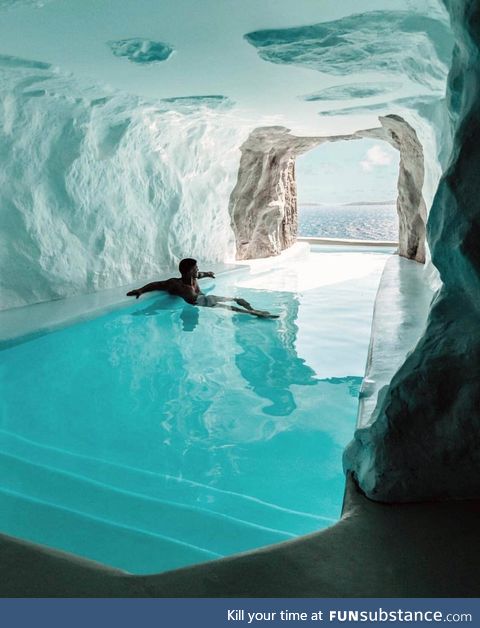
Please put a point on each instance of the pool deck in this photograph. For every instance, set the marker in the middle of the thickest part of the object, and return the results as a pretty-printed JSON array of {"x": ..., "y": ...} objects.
[{"x": 375, "y": 550}]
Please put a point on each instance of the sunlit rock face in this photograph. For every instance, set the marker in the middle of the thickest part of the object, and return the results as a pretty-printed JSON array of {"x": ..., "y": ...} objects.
[
  {"x": 263, "y": 204},
  {"x": 411, "y": 207},
  {"x": 424, "y": 442},
  {"x": 99, "y": 188}
]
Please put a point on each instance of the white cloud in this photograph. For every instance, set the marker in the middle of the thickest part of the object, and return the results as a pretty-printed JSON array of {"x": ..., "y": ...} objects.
[{"x": 375, "y": 156}]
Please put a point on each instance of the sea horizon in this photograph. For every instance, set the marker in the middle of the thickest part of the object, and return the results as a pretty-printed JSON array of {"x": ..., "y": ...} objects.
[
  {"x": 356, "y": 221},
  {"x": 349, "y": 204}
]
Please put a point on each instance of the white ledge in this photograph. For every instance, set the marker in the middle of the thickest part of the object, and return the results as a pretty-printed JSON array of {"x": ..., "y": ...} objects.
[
  {"x": 39, "y": 318},
  {"x": 341, "y": 241},
  {"x": 400, "y": 315}
]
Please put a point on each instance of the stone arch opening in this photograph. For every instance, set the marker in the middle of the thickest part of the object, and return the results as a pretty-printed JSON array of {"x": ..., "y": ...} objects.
[{"x": 263, "y": 204}]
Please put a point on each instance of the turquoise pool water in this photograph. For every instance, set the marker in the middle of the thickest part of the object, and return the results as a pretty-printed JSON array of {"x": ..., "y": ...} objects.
[{"x": 160, "y": 434}]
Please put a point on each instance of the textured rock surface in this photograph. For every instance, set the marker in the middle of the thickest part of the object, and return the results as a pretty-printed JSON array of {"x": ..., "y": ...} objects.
[
  {"x": 263, "y": 204},
  {"x": 425, "y": 441},
  {"x": 361, "y": 41},
  {"x": 213, "y": 101},
  {"x": 411, "y": 207},
  {"x": 353, "y": 90},
  {"x": 140, "y": 50},
  {"x": 98, "y": 188}
]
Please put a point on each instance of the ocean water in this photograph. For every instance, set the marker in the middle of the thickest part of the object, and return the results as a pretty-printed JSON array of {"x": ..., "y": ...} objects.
[
  {"x": 355, "y": 222},
  {"x": 162, "y": 434}
]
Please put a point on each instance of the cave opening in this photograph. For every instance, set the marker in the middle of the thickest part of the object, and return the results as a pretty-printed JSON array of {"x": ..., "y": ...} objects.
[
  {"x": 348, "y": 190},
  {"x": 263, "y": 205}
]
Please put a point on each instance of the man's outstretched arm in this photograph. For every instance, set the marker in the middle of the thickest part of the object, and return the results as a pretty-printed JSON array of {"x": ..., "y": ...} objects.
[
  {"x": 208, "y": 273},
  {"x": 150, "y": 287}
]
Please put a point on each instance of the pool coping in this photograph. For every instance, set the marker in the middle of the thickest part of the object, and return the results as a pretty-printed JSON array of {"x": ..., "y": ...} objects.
[{"x": 399, "y": 318}]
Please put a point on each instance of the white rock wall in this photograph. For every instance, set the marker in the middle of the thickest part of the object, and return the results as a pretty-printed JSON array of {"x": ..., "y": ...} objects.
[{"x": 99, "y": 188}]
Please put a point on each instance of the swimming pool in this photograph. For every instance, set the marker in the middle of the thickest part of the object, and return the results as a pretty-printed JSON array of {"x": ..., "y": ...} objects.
[{"x": 160, "y": 435}]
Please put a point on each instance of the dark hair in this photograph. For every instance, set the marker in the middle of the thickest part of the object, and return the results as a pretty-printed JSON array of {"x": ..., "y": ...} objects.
[{"x": 186, "y": 264}]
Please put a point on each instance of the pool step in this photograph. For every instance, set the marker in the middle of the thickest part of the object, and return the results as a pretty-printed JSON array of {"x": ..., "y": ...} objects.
[
  {"x": 104, "y": 542},
  {"x": 164, "y": 487},
  {"x": 205, "y": 531}
]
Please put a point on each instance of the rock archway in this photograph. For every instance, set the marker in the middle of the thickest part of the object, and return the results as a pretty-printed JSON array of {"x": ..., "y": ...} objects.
[{"x": 263, "y": 204}]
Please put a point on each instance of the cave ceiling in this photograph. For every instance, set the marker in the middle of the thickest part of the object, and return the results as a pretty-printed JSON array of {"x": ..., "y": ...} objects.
[{"x": 317, "y": 67}]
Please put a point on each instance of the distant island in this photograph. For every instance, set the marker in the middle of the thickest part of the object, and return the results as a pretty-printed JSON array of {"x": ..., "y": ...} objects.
[{"x": 354, "y": 204}]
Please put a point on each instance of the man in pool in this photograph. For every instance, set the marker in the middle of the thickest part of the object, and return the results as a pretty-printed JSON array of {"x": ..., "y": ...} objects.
[{"x": 188, "y": 289}]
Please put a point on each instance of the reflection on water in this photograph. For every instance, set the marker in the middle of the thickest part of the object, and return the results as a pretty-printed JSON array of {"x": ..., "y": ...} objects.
[
  {"x": 189, "y": 317},
  {"x": 189, "y": 314},
  {"x": 353, "y": 384},
  {"x": 269, "y": 362}
]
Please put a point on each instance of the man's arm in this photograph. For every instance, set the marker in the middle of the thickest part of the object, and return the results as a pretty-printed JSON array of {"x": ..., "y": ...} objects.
[
  {"x": 150, "y": 287},
  {"x": 208, "y": 273}
]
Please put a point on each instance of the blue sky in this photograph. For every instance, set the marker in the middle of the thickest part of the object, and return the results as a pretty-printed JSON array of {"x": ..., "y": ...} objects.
[{"x": 346, "y": 172}]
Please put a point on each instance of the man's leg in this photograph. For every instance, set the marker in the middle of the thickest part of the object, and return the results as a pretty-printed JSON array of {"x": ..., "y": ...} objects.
[
  {"x": 243, "y": 303},
  {"x": 258, "y": 313},
  {"x": 212, "y": 300}
]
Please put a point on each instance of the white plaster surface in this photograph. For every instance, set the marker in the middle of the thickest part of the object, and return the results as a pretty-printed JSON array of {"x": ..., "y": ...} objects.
[{"x": 399, "y": 319}]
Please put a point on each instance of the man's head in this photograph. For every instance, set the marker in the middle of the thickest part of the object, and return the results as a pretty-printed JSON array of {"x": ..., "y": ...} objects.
[{"x": 188, "y": 267}]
